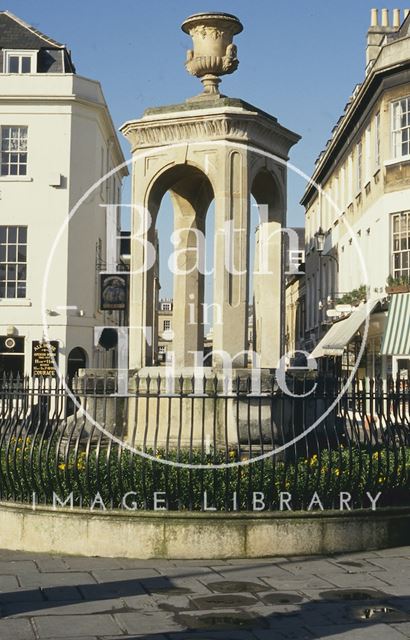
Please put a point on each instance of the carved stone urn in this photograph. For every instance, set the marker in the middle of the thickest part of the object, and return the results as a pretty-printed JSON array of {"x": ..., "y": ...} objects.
[{"x": 214, "y": 53}]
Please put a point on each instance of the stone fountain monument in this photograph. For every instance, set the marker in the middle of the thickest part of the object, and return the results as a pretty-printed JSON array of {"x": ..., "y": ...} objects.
[{"x": 210, "y": 147}]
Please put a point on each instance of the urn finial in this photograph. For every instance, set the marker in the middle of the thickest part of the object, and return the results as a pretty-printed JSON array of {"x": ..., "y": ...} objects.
[{"x": 214, "y": 54}]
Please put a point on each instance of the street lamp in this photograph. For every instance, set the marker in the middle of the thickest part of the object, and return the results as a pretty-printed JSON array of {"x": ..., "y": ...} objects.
[
  {"x": 320, "y": 237},
  {"x": 320, "y": 240}
]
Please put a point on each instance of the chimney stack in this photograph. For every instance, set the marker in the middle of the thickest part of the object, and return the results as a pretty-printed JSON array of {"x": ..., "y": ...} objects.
[
  {"x": 374, "y": 14},
  {"x": 378, "y": 31},
  {"x": 406, "y": 13}
]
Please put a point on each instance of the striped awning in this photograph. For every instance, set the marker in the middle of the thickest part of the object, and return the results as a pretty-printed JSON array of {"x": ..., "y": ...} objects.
[
  {"x": 341, "y": 333},
  {"x": 396, "y": 339}
]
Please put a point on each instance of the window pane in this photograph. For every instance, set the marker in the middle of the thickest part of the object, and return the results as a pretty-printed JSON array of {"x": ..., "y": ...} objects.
[
  {"x": 13, "y": 64},
  {"x": 3, "y": 234},
  {"x": 25, "y": 64},
  {"x": 11, "y": 253},
  {"x": 23, "y": 234},
  {"x": 12, "y": 234},
  {"x": 11, "y": 290}
]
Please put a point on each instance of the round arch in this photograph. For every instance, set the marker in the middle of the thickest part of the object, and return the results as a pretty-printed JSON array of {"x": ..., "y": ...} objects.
[
  {"x": 191, "y": 194},
  {"x": 77, "y": 359}
]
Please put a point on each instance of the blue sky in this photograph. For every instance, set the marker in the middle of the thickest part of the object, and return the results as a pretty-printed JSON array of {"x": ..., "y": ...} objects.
[{"x": 299, "y": 60}]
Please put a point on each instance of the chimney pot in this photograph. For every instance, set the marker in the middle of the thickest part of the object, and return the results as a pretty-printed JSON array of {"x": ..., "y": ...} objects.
[
  {"x": 406, "y": 13},
  {"x": 396, "y": 18},
  {"x": 374, "y": 17},
  {"x": 385, "y": 17}
]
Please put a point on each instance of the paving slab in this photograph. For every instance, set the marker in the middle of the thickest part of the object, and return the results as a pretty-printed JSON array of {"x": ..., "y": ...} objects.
[
  {"x": 8, "y": 583},
  {"x": 63, "y": 608},
  {"x": 351, "y": 632},
  {"x": 147, "y": 622},
  {"x": 55, "y": 579},
  {"x": 54, "y": 627},
  {"x": 58, "y": 597},
  {"x": 16, "y": 630}
]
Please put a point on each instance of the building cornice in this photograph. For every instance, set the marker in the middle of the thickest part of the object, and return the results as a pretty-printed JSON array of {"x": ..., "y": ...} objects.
[
  {"x": 373, "y": 86},
  {"x": 236, "y": 125},
  {"x": 49, "y": 98}
]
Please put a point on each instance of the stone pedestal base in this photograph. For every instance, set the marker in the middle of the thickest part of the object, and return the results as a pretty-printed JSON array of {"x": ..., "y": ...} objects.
[{"x": 164, "y": 411}]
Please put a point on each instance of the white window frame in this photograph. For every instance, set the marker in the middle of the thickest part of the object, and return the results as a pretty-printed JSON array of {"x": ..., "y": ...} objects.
[
  {"x": 167, "y": 322},
  {"x": 397, "y": 131},
  {"x": 20, "y": 53},
  {"x": 7, "y": 153},
  {"x": 12, "y": 261},
  {"x": 350, "y": 179},
  {"x": 296, "y": 258},
  {"x": 342, "y": 189},
  {"x": 359, "y": 166},
  {"x": 400, "y": 237},
  {"x": 377, "y": 140},
  {"x": 166, "y": 306},
  {"x": 367, "y": 153}
]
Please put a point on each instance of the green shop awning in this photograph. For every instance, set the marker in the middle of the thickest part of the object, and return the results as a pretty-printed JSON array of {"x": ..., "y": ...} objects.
[
  {"x": 340, "y": 334},
  {"x": 396, "y": 339}
]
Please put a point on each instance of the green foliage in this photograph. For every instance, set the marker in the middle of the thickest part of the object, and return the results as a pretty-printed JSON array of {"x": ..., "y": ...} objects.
[
  {"x": 354, "y": 297},
  {"x": 398, "y": 281},
  {"x": 42, "y": 467}
]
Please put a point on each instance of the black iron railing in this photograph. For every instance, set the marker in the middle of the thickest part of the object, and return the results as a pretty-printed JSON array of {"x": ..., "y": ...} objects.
[{"x": 205, "y": 443}]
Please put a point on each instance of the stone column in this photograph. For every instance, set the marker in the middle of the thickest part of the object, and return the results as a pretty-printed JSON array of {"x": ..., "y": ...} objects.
[
  {"x": 231, "y": 275},
  {"x": 268, "y": 293},
  {"x": 187, "y": 318},
  {"x": 142, "y": 282}
]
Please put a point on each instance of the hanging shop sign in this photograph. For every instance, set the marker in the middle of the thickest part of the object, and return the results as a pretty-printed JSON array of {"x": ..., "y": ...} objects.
[{"x": 114, "y": 291}]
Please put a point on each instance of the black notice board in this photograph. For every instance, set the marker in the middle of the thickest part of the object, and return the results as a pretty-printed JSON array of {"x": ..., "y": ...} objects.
[{"x": 41, "y": 360}]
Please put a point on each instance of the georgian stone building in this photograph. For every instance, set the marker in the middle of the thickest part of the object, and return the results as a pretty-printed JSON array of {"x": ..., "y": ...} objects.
[
  {"x": 57, "y": 140},
  {"x": 358, "y": 223}
]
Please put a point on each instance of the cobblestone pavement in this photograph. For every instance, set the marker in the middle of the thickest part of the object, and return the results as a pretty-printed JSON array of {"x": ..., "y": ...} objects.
[{"x": 362, "y": 596}]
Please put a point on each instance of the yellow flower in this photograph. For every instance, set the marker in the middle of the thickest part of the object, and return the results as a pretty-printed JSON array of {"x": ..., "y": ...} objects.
[
  {"x": 232, "y": 454},
  {"x": 313, "y": 460},
  {"x": 62, "y": 466},
  {"x": 381, "y": 479},
  {"x": 337, "y": 472}
]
